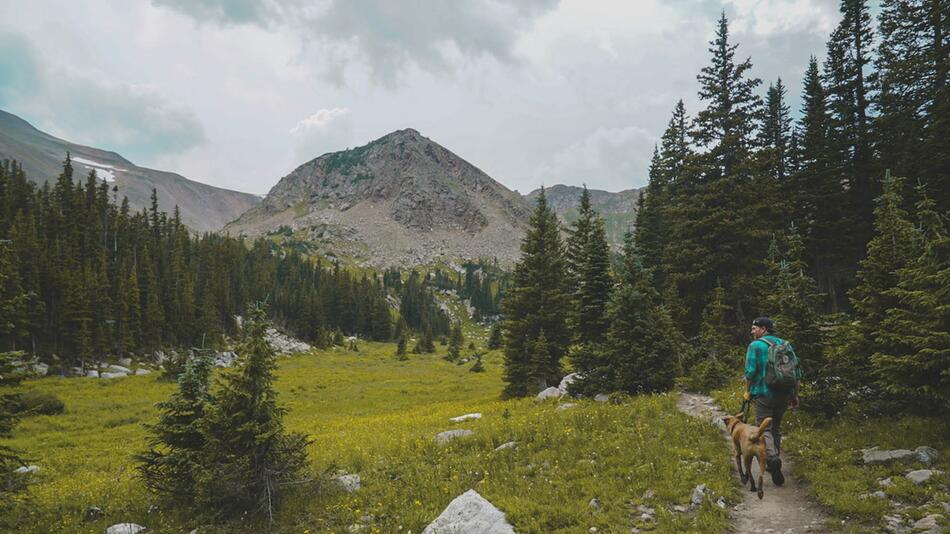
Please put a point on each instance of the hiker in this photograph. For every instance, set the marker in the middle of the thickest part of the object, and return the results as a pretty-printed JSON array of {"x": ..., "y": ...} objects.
[{"x": 771, "y": 401}]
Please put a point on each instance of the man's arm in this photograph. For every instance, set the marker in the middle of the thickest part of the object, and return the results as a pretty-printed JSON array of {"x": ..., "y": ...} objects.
[{"x": 750, "y": 369}]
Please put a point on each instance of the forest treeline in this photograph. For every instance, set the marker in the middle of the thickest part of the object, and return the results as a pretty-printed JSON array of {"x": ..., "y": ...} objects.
[
  {"x": 833, "y": 223},
  {"x": 83, "y": 277}
]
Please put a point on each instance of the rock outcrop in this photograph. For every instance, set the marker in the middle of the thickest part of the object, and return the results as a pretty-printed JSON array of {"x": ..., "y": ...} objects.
[{"x": 470, "y": 513}]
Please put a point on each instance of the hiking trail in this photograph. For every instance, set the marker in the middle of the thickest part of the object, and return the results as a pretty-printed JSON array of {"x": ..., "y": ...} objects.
[{"x": 785, "y": 509}]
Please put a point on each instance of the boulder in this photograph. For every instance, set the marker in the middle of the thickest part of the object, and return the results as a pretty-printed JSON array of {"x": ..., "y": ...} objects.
[
  {"x": 284, "y": 344},
  {"x": 928, "y": 524},
  {"x": 92, "y": 373},
  {"x": 466, "y": 417},
  {"x": 699, "y": 492},
  {"x": 444, "y": 437},
  {"x": 926, "y": 455},
  {"x": 26, "y": 470},
  {"x": 508, "y": 445},
  {"x": 601, "y": 397},
  {"x": 550, "y": 393},
  {"x": 874, "y": 456},
  {"x": 348, "y": 483},
  {"x": 125, "y": 528},
  {"x": 113, "y": 375},
  {"x": 141, "y": 371},
  {"x": 40, "y": 369},
  {"x": 885, "y": 482},
  {"x": 920, "y": 476},
  {"x": 566, "y": 381},
  {"x": 118, "y": 369},
  {"x": 470, "y": 512},
  {"x": 126, "y": 362}
]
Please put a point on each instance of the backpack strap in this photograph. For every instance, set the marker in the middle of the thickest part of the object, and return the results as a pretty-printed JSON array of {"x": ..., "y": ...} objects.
[{"x": 767, "y": 342}]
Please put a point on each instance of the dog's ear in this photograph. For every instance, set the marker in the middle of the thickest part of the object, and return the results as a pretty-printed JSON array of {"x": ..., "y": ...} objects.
[{"x": 739, "y": 415}]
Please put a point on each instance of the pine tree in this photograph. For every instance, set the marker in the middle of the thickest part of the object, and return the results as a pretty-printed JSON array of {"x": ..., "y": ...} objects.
[
  {"x": 536, "y": 303},
  {"x": 593, "y": 288},
  {"x": 171, "y": 465},
  {"x": 713, "y": 358},
  {"x": 249, "y": 458},
  {"x": 774, "y": 137},
  {"x": 494, "y": 337},
  {"x": 575, "y": 254},
  {"x": 455, "y": 343},
  {"x": 401, "y": 349},
  {"x": 912, "y": 363},
  {"x": 891, "y": 250}
]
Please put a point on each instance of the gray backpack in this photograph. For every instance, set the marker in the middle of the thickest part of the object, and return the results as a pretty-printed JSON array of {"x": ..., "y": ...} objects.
[{"x": 781, "y": 371}]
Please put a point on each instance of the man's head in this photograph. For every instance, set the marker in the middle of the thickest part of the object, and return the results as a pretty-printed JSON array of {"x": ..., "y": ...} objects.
[{"x": 762, "y": 326}]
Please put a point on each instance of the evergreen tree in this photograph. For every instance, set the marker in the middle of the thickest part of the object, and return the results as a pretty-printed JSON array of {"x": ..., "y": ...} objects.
[
  {"x": 171, "y": 465},
  {"x": 494, "y": 337},
  {"x": 593, "y": 288},
  {"x": 912, "y": 363},
  {"x": 891, "y": 250},
  {"x": 249, "y": 458},
  {"x": 713, "y": 358},
  {"x": 575, "y": 254},
  {"x": 775, "y": 134},
  {"x": 536, "y": 303},
  {"x": 455, "y": 343},
  {"x": 401, "y": 349}
]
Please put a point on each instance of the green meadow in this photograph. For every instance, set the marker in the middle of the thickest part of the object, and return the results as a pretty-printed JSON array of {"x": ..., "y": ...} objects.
[{"x": 371, "y": 415}]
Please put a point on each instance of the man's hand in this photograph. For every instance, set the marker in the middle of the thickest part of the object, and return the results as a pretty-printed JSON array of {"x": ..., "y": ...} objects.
[{"x": 745, "y": 396}]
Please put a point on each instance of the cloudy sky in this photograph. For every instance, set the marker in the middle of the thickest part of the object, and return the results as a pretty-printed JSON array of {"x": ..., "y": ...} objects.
[{"x": 237, "y": 93}]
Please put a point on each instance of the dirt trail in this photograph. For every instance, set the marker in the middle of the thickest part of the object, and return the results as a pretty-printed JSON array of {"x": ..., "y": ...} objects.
[{"x": 784, "y": 510}]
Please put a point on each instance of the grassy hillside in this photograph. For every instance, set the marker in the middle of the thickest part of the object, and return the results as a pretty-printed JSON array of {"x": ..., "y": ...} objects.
[{"x": 374, "y": 416}]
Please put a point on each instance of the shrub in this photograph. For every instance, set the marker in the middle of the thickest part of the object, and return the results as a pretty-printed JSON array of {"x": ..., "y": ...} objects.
[{"x": 39, "y": 403}]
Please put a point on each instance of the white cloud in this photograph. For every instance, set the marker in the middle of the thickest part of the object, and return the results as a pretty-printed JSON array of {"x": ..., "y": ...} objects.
[
  {"x": 770, "y": 17},
  {"x": 327, "y": 130},
  {"x": 607, "y": 158}
]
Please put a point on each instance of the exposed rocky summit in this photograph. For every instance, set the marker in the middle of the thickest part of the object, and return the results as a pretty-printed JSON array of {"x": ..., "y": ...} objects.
[
  {"x": 401, "y": 199},
  {"x": 203, "y": 207}
]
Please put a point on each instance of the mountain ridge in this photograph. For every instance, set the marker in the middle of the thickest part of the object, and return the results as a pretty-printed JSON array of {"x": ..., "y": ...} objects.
[{"x": 203, "y": 207}]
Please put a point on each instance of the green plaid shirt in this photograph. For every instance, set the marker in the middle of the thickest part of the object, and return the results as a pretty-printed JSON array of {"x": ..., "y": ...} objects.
[{"x": 756, "y": 358}]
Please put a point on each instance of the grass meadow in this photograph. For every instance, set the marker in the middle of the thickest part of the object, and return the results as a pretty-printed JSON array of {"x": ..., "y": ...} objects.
[{"x": 372, "y": 415}]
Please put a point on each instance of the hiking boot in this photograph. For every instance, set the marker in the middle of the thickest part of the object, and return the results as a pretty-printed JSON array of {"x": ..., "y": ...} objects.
[{"x": 774, "y": 467}]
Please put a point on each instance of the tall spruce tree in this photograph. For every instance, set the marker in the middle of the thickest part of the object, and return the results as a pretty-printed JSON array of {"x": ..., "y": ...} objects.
[
  {"x": 775, "y": 134},
  {"x": 891, "y": 250},
  {"x": 177, "y": 444},
  {"x": 593, "y": 289},
  {"x": 912, "y": 363},
  {"x": 249, "y": 459},
  {"x": 536, "y": 303}
]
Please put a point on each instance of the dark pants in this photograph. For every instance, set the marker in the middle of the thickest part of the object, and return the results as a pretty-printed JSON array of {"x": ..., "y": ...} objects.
[{"x": 773, "y": 407}]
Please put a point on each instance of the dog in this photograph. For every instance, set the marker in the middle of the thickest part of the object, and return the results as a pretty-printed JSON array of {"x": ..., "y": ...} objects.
[{"x": 749, "y": 444}]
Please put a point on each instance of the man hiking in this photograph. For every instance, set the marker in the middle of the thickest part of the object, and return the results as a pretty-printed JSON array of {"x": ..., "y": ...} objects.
[{"x": 771, "y": 378}]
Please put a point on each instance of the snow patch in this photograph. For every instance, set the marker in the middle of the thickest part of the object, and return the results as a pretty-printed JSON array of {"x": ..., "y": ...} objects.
[{"x": 103, "y": 171}]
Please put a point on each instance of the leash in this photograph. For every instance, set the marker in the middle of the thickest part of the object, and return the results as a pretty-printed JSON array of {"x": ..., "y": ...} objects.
[{"x": 745, "y": 410}]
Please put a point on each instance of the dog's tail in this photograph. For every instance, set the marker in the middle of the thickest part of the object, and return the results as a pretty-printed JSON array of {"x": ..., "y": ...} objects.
[{"x": 754, "y": 437}]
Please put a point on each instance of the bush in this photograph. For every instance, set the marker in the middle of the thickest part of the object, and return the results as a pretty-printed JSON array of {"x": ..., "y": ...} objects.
[{"x": 39, "y": 403}]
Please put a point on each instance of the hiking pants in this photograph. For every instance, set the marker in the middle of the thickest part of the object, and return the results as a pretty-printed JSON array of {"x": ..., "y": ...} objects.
[{"x": 773, "y": 407}]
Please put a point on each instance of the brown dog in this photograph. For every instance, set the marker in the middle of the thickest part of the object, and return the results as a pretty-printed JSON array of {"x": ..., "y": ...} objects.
[{"x": 748, "y": 443}]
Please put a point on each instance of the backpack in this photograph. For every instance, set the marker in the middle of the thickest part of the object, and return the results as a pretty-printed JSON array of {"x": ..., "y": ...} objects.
[{"x": 781, "y": 370}]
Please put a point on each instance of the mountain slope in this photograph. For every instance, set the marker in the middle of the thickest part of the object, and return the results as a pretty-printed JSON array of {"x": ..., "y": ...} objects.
[
  {"x": 203, "y": 207},
  {"x": 619, "y": 209},
  {"x": 401, "y": 199}
]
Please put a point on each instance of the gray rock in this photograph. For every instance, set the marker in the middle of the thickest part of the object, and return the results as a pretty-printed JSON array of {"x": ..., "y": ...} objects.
[
  {"x": 646, "y": 510},
  {"x": 444, "y": 437},
  {"x": 928, "y": 524},
  {"x": 886, "y": 482},
  {"x": 284, "y": 344},
  {"x": 874, "y": 456},
  {"x": 509, "y": 445},
  {"x": 594, "y": 503},
  {"x": 680, "y": 508},
  {"x": 348, "y": 483},
  {"x": 77, "y": 371},
  {"x": 550, "y": 393},
  {"x": 92, "y": 513},
  {"x": 26, "y": 469},
  {"x": 927, "y": 455},
  {"x": 118, "y": 369},
  {"x": 601, "y": 397},
  {"x": 127, "y": 362},
  {"x": 40, "y": 369},
  {"x": 879, "y": 495},
  {"x": 895, "y": 524},
  {"x": 470, "y": 513},
  {"x": 565, "y": 406},
  {"x": 567, "y": 381},
  {"x": 466, "y": 417},
  {"x": 699, "y": 492},
  {"x": 125, "y": 528},
  {"x": 113, "y": 375},
  {"x": 92, "y": 373},
  {"x": 592, "y": 530},
  {"x": 140, "y": 371},
  {"x": 720, "y": 502},
  {"x": 920, "y": 476}
]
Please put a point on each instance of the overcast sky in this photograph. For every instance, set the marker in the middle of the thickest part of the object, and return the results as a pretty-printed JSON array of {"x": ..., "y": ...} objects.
[{"x": 238, "y": 93}]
